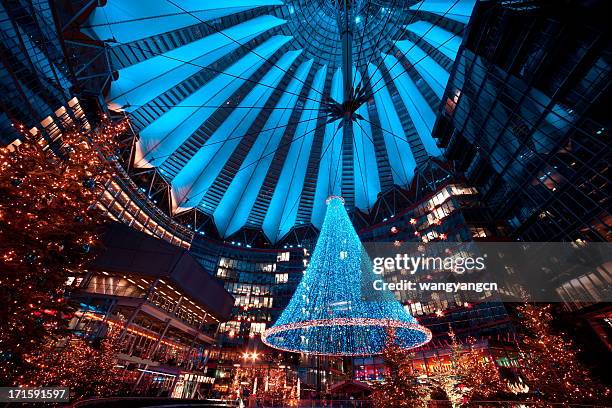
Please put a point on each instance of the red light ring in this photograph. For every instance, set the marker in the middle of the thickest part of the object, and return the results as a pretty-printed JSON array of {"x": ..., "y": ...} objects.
[{"x": 343, "y": 322}]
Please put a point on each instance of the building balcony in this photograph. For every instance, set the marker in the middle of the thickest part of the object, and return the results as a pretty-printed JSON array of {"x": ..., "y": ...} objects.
[
  {"x": 153, "y": 292},
  {"x": 189, "y": 320}
]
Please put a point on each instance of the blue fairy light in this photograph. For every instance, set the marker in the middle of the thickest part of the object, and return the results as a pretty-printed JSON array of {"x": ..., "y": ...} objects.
[{"x": 328, "y": 313}]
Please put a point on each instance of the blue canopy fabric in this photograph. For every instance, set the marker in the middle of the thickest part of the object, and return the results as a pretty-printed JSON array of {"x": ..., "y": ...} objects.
[{"x": 231, "y": 100}]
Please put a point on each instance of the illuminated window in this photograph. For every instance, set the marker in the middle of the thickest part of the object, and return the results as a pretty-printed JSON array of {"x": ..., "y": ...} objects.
[
  {"x": 478, "y": 232},
  {"x": 268, "y": 267},
  {"x": 231, "y": 326},
  {"x": 225, "y": 273},
  {"x": 463, "y": 190},
  {"x": 257, "y": 327}
]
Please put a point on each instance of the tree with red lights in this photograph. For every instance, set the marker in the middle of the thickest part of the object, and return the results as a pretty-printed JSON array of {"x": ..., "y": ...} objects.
[
  {"x": 87, "y": 369},
  {"x": 49, "y": 225},
  {"x": 401, "y": 387},
  {"x": 550, "y": 364},
  {"x": 470, "y": 375}
]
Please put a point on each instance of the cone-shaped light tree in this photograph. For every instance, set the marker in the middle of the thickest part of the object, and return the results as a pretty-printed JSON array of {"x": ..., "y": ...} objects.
[{"x": 334, "y": 310}]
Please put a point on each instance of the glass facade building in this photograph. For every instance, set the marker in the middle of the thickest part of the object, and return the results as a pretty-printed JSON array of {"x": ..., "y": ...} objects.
[
  {"x": 261, "y": 281},
  {"x": 34, "y": 76},
  {"x": 527, "y": 120}
]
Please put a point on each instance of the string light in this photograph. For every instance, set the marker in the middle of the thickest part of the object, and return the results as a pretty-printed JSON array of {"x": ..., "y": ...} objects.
[
  {"x": 270, "y": 383},
  {"x": 333, "y": 310}
]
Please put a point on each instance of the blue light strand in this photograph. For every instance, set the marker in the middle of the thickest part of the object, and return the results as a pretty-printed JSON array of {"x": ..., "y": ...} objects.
[{"x": 327, "y": 314}]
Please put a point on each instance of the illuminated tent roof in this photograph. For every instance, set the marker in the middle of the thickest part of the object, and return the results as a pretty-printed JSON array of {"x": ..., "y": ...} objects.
[{"x": 255, "y": 111}]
